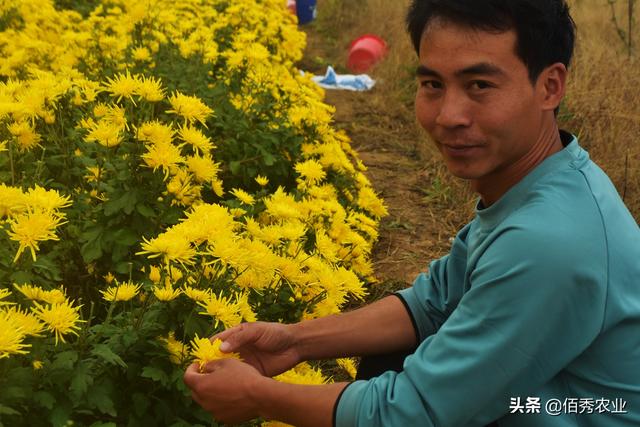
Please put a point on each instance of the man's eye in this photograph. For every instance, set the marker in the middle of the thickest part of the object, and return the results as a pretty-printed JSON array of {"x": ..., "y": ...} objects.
[
  {"x": 431, "y": 84},
  {"x": 480, "y": 84}
]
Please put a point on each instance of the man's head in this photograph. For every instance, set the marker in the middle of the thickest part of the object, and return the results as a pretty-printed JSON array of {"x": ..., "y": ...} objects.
[
  {"x": 492, "y": 74},
  {"x": 544, "y": 29}
]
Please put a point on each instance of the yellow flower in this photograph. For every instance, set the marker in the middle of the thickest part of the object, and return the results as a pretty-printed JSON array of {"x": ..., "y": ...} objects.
[
  {"x": 199, "y": 141},
  {"x": 11, "y": 201},
  {"x": 311, "y": 171},
  {"x": 190, "y": 108},
  {"x": 171, "y": 246},
  {"x": 46, "y": 200},
  {"x": 37, "y": 365},
  {"x": 26, "y": 137},
  {"x": 243, "y": 196},
  {"x": 3, "y": 294},
  {"x": 150, "y": 89},
  {"x": 196, "y": 294},
  {"x": 302, "y": 374},
  {"x": 28, "y": 322},
  {"x": 163, "y": 155},
  {"x": 155, "y": 133},
  {"x": 204, "y": 169},
  {"x": 222, "y": 309},
  {"x": 109, "y": 278},
  {"x": 177, "y": 349},
  {"x": 60, "y": 319},
  {"x": 166, "y": 293},
  {"x": 54, "y": 296},
  {"x": 155, "y": 274},
  {"x": 262, "y": 180},
  {"x": 203, "y": 350},
  {"x": 121, "y": 292},
  {"x": 105, "y": 133},
  {"x": 348, "y": 365},
  {"x": 30, "y": 291},
  {"x": 122, "y": 86},
  {"x": 11, "y": 336},
  {"x": 32, "y": 227},
  {"x": 141, "y": 53}
]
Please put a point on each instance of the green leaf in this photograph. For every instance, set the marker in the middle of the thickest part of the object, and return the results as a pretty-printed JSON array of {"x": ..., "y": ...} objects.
[
  {"x": 99, "y": 398},
  {"x": 44, "y": 399},
  {"x": 6, "y": 410},
  {"x": 60, "y": 415},
  {"x": 80, "y": 382},
  {"x": 140, "y": 403},
  {"x": 101, "y": 424},
  {"x": 145, "y": 210},
  {"x": 92, "y": 250},
  {"x": 104, "y": 352},
  {"x": 65, "y": 360},
  {"x": 155, "y": 374},
  {"x": 234, "y": 166}
]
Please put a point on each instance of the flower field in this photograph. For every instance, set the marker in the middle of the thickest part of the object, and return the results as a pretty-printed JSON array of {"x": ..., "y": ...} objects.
[{"x": 165, "y": 173}]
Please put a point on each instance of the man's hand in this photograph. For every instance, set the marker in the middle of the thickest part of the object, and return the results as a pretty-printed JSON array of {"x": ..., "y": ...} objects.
[
  {"x": 224, "y": 389},
  {"x": 268, "y": 347}
]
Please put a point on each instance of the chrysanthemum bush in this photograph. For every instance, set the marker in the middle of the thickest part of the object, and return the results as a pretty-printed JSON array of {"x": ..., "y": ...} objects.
[{"x": 165, "y": 173}]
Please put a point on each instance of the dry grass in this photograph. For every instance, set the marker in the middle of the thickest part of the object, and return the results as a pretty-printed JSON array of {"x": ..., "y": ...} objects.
[{"x": 603, "y": 102}]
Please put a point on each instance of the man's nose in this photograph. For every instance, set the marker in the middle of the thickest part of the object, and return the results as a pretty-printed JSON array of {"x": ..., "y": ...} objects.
[{"x": 453, "y": 111}]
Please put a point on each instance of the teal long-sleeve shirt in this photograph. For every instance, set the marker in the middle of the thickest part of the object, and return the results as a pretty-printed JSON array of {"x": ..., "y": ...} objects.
[{"x": 537, "y": 302}]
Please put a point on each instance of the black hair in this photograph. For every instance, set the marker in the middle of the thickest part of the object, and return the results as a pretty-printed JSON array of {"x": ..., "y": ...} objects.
[{"x": 544, "y": 28}]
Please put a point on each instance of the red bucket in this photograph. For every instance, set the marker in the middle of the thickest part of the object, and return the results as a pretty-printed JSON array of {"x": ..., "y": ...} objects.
[{"x": 365, "y": 52}]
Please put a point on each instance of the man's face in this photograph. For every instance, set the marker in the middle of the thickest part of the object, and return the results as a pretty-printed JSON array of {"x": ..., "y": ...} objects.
[{"x": 476, "y": 101}]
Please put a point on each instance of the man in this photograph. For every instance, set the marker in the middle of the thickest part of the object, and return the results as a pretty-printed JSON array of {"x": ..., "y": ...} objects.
[{"x": 533, "y": 318}]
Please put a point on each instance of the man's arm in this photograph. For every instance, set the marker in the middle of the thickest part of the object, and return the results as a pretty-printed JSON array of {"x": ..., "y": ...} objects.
[
  {"x": 273, "y": 348},
  {"x": 382, "y": 327}
]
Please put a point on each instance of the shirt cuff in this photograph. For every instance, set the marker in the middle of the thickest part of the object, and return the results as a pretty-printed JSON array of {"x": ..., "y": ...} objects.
[{"x": 345, "y": 411}]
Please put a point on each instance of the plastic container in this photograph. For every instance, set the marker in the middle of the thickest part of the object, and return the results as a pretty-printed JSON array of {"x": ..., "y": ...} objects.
[
  {"x": 306, "y": 11},
  {"x": 365, "y": 52}
]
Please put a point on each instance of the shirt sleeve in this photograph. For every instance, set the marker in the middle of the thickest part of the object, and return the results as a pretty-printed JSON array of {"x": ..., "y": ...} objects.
[{"x": 527, "y": 314}]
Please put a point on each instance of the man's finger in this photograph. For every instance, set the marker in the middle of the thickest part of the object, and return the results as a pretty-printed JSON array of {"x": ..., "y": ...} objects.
[
  {"x": 191, "y": 375},
  {"x": 236, "y": 338}
]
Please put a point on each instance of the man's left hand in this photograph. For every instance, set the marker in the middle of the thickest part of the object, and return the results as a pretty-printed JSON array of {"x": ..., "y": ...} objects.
[{"x": 226, "y": 389}]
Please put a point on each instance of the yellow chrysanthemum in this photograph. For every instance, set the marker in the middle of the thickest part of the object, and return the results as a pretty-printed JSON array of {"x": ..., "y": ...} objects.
[
  {"x": 4, "y": 293},
  {"x": 155, "y": 133},
  {"x": 196, "y": 139},
  {"x": 166, "y": 293},
  {"x": 163, "y": 155},
  {"x": 203, "y": 350},
  {"x": 32, "y": 292},
  {"x": 243, "y": 196},
  {"x": 46, "y": 200},
  {"x": 170, "y": 246},
  {"x": 190, "y": 108},
  {"x": 262, "y": 180},
  {"x": 37, "y": 365},
  {"x": 61, "y": 319},
  {"x": 302, "y": 374},
  {"x": 26, "y": 137},
  {"x": 204, "y": 169},
  {"x": 31, "y": 228},
  {"x": 122, "y": 86},
  {"x": 11, "y": 201},
  {"x": 177, "y": 349},
  {"x": 105, "y": 133},
  {"x": 222, "y": 309},
  {"x": 311, "y": 171},
  {"x": 28, "y": 322},
  {"x": 150, "y": 89},
  {"x": 348, "y": 365},
  {"x": 141, "y": 53},
  {"x": 121, "y": 292},
  {"x": 11, "y": 336},
  {"x": 200, "y": 295}
]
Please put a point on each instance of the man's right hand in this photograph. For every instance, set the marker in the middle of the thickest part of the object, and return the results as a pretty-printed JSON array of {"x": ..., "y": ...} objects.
[{"x": 268, "y": 347}]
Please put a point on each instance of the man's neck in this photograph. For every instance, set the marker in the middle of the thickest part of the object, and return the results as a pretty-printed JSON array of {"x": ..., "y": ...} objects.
[{"x": 492, "y": 187}]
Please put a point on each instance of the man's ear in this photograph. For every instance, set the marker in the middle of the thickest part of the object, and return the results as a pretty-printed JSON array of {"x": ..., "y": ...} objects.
[{"x": 552, "y": 85}]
